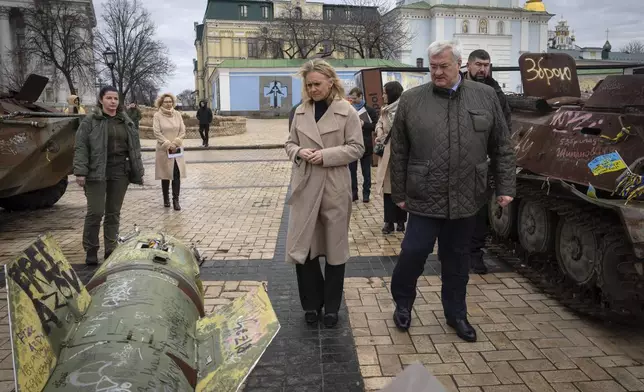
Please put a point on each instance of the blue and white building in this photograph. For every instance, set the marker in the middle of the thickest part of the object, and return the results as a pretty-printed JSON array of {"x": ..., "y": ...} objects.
[{"x": 505, "y": 28}]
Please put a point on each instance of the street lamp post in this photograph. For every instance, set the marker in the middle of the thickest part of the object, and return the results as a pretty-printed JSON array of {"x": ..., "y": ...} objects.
[{"x": 110, "y": 59}]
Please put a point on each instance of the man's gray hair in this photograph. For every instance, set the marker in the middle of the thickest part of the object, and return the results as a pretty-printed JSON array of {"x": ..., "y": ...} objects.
[{"x": 438, "y": 47}]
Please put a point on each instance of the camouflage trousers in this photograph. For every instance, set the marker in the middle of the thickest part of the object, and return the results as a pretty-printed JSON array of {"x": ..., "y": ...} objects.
[{"x": 104, "y": 198}]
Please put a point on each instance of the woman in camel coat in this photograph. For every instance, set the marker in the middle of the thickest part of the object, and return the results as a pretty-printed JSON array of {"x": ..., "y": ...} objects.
[
  {"x": 169, "y": 131},
  {"x": 393, "y": 214},
  {"x": 325, "y": 136}
]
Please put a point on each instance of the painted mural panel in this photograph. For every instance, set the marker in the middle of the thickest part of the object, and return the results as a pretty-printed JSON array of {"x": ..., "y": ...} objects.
[{"x": 275, "y": 94}]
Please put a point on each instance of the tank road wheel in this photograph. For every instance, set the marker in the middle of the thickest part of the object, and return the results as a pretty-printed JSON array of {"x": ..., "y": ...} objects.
[
  {"x": 577, "y": 251},
  {"x": 503, "y": 220},
  {"x": 619, "y": 280},
  {"x": 536, "y": 227},
  {"x": 41, "y": 198}
]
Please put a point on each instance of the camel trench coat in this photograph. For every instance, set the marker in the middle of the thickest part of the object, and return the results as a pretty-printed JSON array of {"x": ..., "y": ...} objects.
[
  {"x": 320, "y": 201},
  {"x": 168, "y": 130},
  {"x": 383, "y": 175}
]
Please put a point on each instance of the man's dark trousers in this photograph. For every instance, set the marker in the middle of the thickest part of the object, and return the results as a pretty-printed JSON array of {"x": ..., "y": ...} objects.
[
  {"x": 365, "y": 165},
  {"x": 478, "y": 238},
  {"x": 203, "y": 132},
  {"x": 454, "y": 238}
]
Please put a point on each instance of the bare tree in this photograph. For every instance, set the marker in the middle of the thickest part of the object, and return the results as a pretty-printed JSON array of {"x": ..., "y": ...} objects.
[
  {"x": 634, "y": 46},
  {"x": 296, "y": 33},
  {"x": 371, "y": 29},
  {"x": 144, "y": 92},
  {"x": 186, "y": 98},
  {"x": 129, "y": 31},
  {"x": 59, "y": 33},
  {"x": 15, "y": 75}
]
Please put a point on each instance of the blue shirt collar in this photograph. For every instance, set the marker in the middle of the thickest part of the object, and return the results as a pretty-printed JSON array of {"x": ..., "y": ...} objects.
[{"x": 457, "y": 82}]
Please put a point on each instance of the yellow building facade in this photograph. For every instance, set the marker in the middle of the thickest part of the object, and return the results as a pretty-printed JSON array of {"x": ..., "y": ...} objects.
[{"x": 231, "y": 30}]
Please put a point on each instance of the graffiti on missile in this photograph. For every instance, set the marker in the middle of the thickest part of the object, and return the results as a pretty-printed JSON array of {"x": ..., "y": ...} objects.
[
  {"x": 44, "y": 294},
  {"x": 242, "y": 330}
]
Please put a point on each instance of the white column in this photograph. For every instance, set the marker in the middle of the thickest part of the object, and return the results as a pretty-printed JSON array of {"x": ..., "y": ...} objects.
[
  {"x": 5, "y": 40},
  {"x": 525, "y": 36},
  {"x": 543, "y": 40}
]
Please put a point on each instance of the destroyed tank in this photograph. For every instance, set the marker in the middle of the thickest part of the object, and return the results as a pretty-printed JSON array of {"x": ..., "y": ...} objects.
[
  {"x": 36, "y": 148},
  {"x": 578, "y": 217}
]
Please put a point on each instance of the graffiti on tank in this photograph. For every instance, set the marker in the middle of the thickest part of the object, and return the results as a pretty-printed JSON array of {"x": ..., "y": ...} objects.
[
  {"x": 576, "y": 120},
  {"x": 537, "y": 72},
  {"x": 117, "y": 293}
]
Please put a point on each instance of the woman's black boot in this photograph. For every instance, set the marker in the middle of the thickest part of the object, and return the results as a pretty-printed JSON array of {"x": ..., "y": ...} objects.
[{"x": 165, "y": 188}]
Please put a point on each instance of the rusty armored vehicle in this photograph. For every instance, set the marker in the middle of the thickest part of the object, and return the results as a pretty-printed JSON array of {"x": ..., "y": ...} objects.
[
  {"x": 578, "y": 218},
  {"x": 36, "y": 149}
]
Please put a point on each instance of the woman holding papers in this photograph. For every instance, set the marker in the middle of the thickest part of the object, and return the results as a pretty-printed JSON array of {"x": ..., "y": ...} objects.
[
  {"x": 169, "y": 131},
  {"x": 325, "y": 136}
]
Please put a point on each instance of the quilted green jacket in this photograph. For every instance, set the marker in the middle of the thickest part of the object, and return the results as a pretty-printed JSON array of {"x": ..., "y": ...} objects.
[{"x": 440, "y": 143}]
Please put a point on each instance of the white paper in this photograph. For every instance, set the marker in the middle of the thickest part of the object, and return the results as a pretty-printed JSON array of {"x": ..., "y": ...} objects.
[{"x": 178, "y": 153}]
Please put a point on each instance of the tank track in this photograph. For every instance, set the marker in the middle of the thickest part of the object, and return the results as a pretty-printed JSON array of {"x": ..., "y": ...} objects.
[{"x": 543, "y": 271}]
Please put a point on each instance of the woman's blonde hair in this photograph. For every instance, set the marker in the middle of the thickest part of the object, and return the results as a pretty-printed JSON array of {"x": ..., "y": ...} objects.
[
  {"x": 324, "y": 68},
  {"x": 159, "y": 100}
]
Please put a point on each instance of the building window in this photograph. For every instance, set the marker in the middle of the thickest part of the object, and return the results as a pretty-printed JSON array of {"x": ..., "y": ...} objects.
[
  {"x": 298, "y": 13},
  {"x": 465, "y": 28},
  {"x": 49, "y": 94},
  {"x": 328, "y": 14},
  {"x": 265, "y": 12},
  {"x": 483, "y": 26},
  {"x": 500, "y": 28},
  {"x": 243, "y": 11},
  {"x": 253, "y": 48},
  {"x": 347, "y": 14}
]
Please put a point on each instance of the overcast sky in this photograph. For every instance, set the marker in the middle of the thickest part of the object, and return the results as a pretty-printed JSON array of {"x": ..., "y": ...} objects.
[{"x": 588, "y": 18}]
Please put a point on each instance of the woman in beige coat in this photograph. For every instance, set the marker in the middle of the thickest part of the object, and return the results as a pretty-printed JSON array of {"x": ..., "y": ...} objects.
[
  {"x": 169, "y": 131},
  {"x": 393, "y": 214},
  {"x": 325, "y": 137}
]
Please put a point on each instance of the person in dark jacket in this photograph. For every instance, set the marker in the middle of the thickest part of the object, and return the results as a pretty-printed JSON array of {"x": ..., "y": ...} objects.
[
  {"x": 134, "y": 113},
  {"x": 369, "y": 119},
  {"x": 442, "y": 136},
  {"x": 204, "y": 115},
  {"x": 107, "y": 158},
  {"x": 478, "y": 70}
]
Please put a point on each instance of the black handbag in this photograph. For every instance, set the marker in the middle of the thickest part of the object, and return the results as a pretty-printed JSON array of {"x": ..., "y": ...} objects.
[{"x": 379, "y": 148}]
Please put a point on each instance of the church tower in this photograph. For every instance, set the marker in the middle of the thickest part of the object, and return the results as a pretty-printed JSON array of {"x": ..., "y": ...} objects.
[{"x": 535, "y": 5}]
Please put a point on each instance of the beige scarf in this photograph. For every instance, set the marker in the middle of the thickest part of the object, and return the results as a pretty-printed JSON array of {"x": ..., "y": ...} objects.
[{"x": 167, "y": 112}]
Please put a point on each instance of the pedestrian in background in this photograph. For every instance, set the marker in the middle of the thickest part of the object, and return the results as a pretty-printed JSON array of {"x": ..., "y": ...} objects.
[
  {"x": 325, "y": 136},
  {"x": 74, "y": 105},
  {"x": 169, "y": 131},
  {"x": 107, "y": 158},
  {"x": 393, "y": 214},
  {"x": 442, "y": 136},
  {"x": 204, "y": 115},
  {"x": 479, "y": 70},
  {"x": 368, "y": 119},
  {"x": 134, "y": 113}
]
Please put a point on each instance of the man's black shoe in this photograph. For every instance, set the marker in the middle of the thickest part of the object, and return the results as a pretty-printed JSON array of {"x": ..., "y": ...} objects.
[
  {"x": 463, "y": 329},
  {"x": 330, "y": 320},
  {"x": 402, "y": 318},
  {"x": 311, "y": 317},
  {"x": 477, "y": 265}
]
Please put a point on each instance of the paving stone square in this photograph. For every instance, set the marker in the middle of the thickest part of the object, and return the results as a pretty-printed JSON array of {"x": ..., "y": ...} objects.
[{"x": 235, "y": 210}]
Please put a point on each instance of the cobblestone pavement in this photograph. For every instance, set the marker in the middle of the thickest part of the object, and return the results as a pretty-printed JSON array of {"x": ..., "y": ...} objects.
[
  {"x": 258, "y": 133},
  {"x": 234, "y": 204}
]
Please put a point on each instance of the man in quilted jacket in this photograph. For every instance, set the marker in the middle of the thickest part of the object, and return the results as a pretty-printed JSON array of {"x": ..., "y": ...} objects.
[{"x": 442, "y": 136}]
